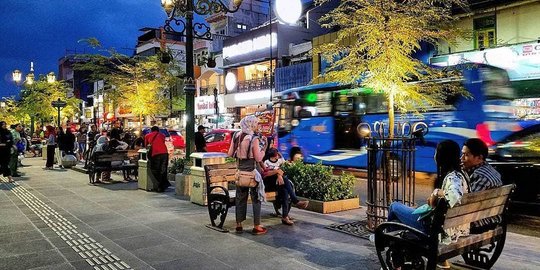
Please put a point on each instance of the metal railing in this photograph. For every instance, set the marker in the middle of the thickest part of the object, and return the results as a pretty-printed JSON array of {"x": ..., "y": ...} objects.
[
  {"x": 254, "y": 85},
  {"x": 208, "y": 90},
  {"x": 391, "y": 167}
]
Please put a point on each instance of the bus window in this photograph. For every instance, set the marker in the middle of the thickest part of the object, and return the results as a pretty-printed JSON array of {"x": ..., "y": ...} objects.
[
  {"x": 375, "y": 103},
  {"x": 284, "y": 114},
  {"x": 496, "y": 84},
  {"x": 313, "y": 104}
]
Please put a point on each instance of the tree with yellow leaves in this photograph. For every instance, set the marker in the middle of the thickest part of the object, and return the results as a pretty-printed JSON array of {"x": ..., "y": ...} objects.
[
  {"x": 139, "y": 84},
  {"x": 374, "y": 48}
]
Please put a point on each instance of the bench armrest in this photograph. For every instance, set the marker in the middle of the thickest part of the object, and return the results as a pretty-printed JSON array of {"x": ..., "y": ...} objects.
[
  {"x": 380, "y": 231},
  {"x": 226, "y": 191}
]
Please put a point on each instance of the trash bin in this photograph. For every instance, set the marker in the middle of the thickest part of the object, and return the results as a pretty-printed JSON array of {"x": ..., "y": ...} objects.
[
  {"x": 44, "y": 151},
  {"x": 197, "y": 176},
  {"x": 145, "y": 177}
]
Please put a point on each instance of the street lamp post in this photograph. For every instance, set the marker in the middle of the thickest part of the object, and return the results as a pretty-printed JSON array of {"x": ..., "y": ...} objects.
[
  {"x": 29, "y": 81},
  {"x": 59, "y": 104},
  {"x": 176, "y": 9}
]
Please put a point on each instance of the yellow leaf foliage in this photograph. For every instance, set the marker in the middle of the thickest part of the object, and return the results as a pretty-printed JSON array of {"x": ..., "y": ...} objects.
[{"x": 384, "y": 35}]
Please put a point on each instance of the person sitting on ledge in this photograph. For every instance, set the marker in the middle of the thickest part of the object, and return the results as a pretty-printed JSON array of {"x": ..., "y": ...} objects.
[{"x": 275, "y": 177}]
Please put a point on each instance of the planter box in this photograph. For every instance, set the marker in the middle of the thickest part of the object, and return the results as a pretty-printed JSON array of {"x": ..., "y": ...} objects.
[
  {"x": 182, "y": 183},
  {"x": 333, "y": 206},
  {"x": 171, "y": 177}
]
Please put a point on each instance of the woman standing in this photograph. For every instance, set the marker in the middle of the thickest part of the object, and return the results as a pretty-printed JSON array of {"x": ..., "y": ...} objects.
[
  {"x": 50, "y": 134},
  {"x": 6, "y": 145},
  {"x": 247, "y": 150}
]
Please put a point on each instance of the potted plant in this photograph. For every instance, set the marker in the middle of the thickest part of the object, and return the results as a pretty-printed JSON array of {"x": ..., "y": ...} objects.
[
  {"x": 177, "y": 171},
  {"x": 326, "y": 192}
]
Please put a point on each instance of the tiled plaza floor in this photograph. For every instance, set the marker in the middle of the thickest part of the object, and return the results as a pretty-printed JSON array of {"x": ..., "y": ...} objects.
[{"x": 56, "y": 220}]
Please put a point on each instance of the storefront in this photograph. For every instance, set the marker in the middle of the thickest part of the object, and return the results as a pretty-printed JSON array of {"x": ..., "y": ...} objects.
[
  {"x": 250, "y": 60},
  {"x": 208, "y": 115}
]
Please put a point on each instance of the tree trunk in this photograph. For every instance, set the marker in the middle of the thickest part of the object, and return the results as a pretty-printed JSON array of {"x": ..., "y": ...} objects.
[
  {"x": 388, "y": 145},
  {"x": 140, "y": 124},
  {"x": 391, "y": 115}
]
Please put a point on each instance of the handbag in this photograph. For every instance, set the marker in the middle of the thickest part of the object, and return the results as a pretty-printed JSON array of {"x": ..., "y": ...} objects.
[
  {"x": 149, "y": 147},
  {"x": 245, "y": 179}
]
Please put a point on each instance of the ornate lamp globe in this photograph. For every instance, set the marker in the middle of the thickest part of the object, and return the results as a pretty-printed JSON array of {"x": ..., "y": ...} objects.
[
  {"x": 51, "y": 77},
  {"x": 30, "y": 78},
  {"x": 168, "y": 5},
  {"x": 16, "y": 75}
]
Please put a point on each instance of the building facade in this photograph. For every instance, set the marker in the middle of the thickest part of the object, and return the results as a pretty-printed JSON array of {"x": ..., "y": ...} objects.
[{"x": 505, "y": 34}]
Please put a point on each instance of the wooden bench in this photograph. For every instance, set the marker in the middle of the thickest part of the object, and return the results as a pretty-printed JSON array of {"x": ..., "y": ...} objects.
[
  {"x": 220, "y": 198},
  {"x": 418, "y": 250},
  {"x": 102, "y": 161}
]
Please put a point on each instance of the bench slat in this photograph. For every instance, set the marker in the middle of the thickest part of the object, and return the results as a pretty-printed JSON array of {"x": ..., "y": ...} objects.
[
  {"x": 465, "y": 242},
  {"x": 221, "y": 178},
  {"x": 226, "y": 171},
  {"x": 221, "y": 166},
  {"x": 487, "y": 194},
  {"x": 475, "y": 206},
  {"x": 475, "y": 216}
]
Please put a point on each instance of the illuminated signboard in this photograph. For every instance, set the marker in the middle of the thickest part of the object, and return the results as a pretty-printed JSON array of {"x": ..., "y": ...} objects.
[
  {"x": 250, "y": 46},
  {"x": 522, "y": 61}
]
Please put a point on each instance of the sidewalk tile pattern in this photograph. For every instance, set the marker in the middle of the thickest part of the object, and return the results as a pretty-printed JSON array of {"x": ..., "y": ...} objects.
[{"x": 85, "y": 246}]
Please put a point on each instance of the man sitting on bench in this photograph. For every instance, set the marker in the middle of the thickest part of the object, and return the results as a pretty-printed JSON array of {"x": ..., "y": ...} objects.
[{"x": 482, "y": 176}]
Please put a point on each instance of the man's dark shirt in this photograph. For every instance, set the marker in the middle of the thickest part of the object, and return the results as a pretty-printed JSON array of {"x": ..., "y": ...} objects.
[
  {"x": 483, "y": 177},
  {"x": 200, "y": 142}
]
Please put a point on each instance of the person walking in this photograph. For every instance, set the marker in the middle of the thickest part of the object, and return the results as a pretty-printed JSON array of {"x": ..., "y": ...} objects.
[
  {"x": 14, "y": 156},
  {"x": 6, "y": 146},
  {"x": 159, "y": 158},
  {"x": 200, "y": 142},
  {"x": 50, "y": 134},
  {"x": 482, "y": 177},
  {"x": 246, "y": 149},
  {"x": 81, "y": 141}
]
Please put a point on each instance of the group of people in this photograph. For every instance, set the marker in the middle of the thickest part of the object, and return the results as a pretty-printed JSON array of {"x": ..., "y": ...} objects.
[
  {"x": 12, "y": 142},
  {"x": 251, "y": 153},
  {"x": 460, "y": 171}
]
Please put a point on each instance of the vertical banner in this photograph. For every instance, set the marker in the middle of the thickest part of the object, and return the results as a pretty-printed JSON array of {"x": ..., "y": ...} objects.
[{"x": 266, "y": 123}]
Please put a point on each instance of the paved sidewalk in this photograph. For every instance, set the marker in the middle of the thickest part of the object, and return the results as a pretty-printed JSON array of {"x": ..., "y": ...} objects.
[{"x": 56, "y": 220}]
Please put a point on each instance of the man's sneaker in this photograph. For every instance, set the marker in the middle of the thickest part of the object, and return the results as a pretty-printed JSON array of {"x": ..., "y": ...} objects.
[{"x": 372, "y": 238}]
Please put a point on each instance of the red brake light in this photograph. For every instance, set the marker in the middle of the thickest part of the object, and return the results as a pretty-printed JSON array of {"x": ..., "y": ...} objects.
[{"x": 483, "y": 133}]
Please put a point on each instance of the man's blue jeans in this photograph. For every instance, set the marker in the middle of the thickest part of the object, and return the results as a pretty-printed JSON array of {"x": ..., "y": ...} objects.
[
  {"x": 403, "y": 214},
  {"x": 286, "y": 191}
]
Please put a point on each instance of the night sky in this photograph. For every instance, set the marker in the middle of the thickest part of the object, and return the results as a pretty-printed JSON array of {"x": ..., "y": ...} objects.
[{"x": 41, "y": 31}]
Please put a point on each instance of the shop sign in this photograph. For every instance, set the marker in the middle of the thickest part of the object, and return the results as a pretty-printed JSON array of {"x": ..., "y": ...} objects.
[
  {"x": 205, "y": 105},
  {"x": 247, "y": 98},
  {"x": 522, "y": 61},
  {"x": 250, "y": 45}
]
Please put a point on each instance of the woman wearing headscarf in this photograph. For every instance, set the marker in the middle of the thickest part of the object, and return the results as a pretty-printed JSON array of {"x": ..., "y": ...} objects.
[
  {"x": 6, "y": 144},
  {"x": 454, "y": 183},
  {"x": 247, "y": 158}
]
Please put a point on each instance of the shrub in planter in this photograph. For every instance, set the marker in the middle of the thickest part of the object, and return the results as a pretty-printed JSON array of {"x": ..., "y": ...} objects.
[
  {"x": 316, "y": 181},
  {"x": 177, "y": 165}
]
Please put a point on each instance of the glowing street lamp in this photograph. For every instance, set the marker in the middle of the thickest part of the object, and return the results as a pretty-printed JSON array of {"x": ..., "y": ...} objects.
[
  {"x": 230, "y": 81},
  {"x": 288, "y": 11},
  {"x": 51, "y": 78},
  {"x": 17, "y": 76}
]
